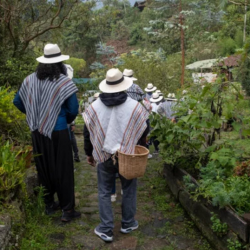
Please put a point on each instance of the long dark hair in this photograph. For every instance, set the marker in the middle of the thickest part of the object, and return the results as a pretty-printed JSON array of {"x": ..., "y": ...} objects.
[{"x": 51, "y": 71}]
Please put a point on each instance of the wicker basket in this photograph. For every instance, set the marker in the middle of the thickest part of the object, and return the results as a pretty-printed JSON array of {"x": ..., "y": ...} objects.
[{"x": 133, "y": 166}]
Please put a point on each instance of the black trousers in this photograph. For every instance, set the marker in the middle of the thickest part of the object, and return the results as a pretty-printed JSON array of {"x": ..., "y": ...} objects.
[
  {"x": 73, "y": 143},
  {"x": 54, "y": 163}
]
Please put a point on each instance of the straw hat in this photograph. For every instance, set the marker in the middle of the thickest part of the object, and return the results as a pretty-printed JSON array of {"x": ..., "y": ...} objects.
[
  {"x": 52, "y": 54},
  {"x": 129, "y": 73},
  {"x": 156, "y": 97},
  {"x": 70, "y": 71},
  {"x": 150, "y": 88},
  {"x": 96, "y": 95},
  {"x": 115, "y": 82},
  {"x": 159, "y": 92},
  {"x": 171, "y": 97}
]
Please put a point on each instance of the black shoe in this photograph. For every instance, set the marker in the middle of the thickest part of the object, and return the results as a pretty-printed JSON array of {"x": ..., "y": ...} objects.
[
  {"x": 77, "y": 159},
  {"x": 69, "y": 215},
  {"x": 51, "y": 209}
]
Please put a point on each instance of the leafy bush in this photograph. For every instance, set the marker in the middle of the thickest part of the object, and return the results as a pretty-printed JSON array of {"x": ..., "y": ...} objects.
[
  {"x": 11, "y": 171},
  {"x": 218, "y": 227},
  {"x": 78, "y": 65},
  {"x": 12, "y": 122},
  {"x": 14, "y": 70},
  {"x": 154, "y": 67},
  {"x": 227, "y": 46},
  {"x": 194, "y": 143}
]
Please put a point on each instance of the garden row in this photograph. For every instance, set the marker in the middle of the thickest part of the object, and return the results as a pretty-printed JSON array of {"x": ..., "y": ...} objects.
[{"x": 207, "y": 154}]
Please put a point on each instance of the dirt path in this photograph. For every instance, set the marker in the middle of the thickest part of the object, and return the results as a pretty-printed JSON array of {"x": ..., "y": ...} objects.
[{"x": 163, "y": 224}]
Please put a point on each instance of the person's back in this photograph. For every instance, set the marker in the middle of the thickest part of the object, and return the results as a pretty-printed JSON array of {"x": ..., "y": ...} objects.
[
  {"x": 113, "y": 122},
  {"x": 48, "y": 97}
]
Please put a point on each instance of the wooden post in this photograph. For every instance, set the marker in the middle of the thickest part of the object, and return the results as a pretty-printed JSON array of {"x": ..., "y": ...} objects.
[
  {"x": 182, "y": 45},
  {"x": 245, "y": 23}
]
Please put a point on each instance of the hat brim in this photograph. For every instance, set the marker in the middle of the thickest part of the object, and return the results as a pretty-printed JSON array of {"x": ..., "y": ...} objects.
[
  {"x": 51, "y": 60},
  {"x": 156, "y": 100},
  {"x": 150, "y": 90},
  {"x": 124, "y": 85},
  {"x": 131, "y": 77},
  {"x": 171, "y": 99}
]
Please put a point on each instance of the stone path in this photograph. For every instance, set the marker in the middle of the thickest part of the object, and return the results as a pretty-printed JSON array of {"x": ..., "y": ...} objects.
[{"x": 163, "y": 223}]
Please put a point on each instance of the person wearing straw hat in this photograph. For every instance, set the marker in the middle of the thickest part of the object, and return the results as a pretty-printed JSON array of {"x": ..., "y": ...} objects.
[
  {"x": 155, "y": 100},
  {"x": 114, "y": 122},
  {"x": 71, "y": 126},
  {"x": 135, "y": 92},
  {"x": 48, "y": 98},
  {"x": 166, "y": 107},
  {"x": 150, "y": 89}
]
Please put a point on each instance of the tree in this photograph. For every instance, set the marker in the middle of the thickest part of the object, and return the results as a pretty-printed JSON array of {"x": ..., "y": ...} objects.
[{"x": 21, "y": 22}]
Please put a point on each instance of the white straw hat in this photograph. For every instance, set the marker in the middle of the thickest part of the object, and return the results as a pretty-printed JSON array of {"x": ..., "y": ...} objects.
[
  {"x": 159, "y": 92},
  {"x": 150, "y": 88},
  {"x": 129, "y": 73},
  {"x": 156, "y": 97},
  {"x": 52, "y": 54},
  {"x": 70, "y": 71},
  {"x": 115, "y": 82},
  {"x": 171, "y": 97}
]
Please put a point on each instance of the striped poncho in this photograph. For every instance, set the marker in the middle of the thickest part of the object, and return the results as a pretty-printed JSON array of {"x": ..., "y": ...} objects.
[
  {"x": 115, "y": 128},
  {"x": 43, "y": 100}
]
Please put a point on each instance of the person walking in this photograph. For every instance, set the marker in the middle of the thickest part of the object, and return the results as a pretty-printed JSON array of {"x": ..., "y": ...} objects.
[
  {"x": 150, "y": 89},
  {"x": 166, "y": 108},
  {"x": 48, "y": 98},
  {"x": 134, "y": 92},
  {"x": 114, "y": 122},
  {"x": 156, "y": 100},
  {"x": 72, "y": 126}
]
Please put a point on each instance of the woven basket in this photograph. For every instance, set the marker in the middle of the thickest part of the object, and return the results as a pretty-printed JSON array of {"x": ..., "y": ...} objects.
[{"x": 133, "y": 166}]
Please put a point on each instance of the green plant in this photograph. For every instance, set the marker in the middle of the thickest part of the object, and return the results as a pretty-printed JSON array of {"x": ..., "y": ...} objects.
[
  {"x": 78, "y": 65},
  {"x": 234, "y": 245},
  {"x": 12, "y": 122},
  {"x": 218, "y": 227},
  {"x": 11, "y": 171}
]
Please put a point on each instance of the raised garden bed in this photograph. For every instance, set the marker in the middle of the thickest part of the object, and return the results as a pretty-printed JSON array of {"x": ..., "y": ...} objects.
[{"x": 201, "y": 212}]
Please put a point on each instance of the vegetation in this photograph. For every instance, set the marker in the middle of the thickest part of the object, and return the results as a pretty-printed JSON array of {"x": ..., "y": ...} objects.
[
  {"x": 195, "y": 143},
  {"x": 157, "y": 43},
  {"x": 11, "y": 172},
  {"x": 218, "y": 227}
]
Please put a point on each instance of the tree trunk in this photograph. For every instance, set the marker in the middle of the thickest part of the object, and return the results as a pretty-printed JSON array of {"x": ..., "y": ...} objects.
[{"x": 182, "y": 45}]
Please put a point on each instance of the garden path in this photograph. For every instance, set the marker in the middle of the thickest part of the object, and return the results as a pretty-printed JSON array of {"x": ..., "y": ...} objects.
[{"x": 163, "y": 224}]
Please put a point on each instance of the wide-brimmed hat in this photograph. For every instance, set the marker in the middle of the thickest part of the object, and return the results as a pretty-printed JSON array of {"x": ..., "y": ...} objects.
[
  {"x": 150, "y": 88},
  {"x": 70, "y": 71},
  {"x": 52, "y": 54},
  {"x": 115, "y": 82},
  {"x": 156, "y": 97},
  {"x": 159, "y": 92},
  {"x": 129, "y": 73},
  {"x": 171, "y": 97}
]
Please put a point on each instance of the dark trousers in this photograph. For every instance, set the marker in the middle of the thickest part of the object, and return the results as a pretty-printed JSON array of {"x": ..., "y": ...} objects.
[
  {"x": 73, "y": 143},
  {"x": 54, "y": 163},
  {"x": 106, "y": 173},
  {"x": 155, "y": 142}
]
